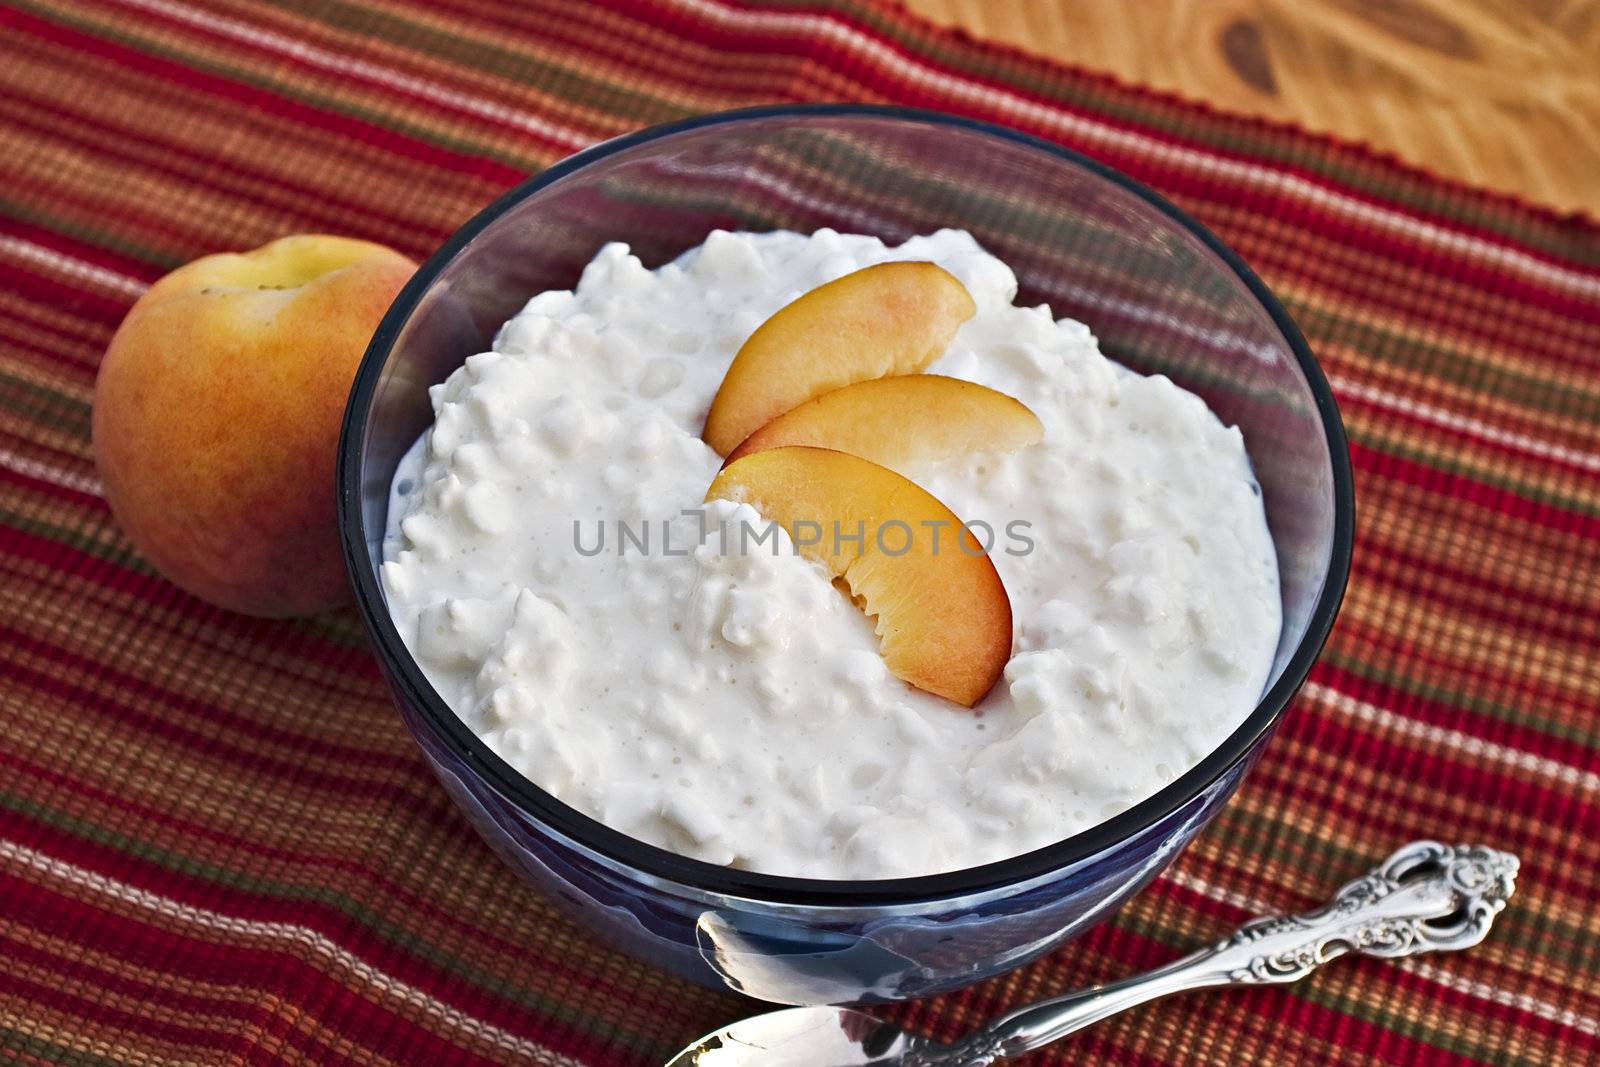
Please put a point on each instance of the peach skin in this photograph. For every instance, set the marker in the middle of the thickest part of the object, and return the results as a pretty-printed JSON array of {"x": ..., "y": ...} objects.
[{"x": 217, "y": 411}]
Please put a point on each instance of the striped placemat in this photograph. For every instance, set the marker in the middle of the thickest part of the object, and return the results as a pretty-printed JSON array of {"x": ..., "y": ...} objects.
[{"x": 216, "y": 842}]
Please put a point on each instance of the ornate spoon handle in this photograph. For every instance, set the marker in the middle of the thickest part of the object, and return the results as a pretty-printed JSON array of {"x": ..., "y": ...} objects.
[{"x": 1426, "y": 897}]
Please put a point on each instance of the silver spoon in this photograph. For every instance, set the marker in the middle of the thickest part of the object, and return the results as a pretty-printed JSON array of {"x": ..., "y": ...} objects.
[{"x": 1427, "y": 897}]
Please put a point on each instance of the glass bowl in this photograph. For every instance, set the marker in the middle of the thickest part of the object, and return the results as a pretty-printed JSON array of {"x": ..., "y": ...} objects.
[{"x": 1160, "y": 292}]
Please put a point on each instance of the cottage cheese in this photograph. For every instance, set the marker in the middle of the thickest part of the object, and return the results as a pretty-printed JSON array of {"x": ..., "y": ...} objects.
[{"x": 731, "y": 705}]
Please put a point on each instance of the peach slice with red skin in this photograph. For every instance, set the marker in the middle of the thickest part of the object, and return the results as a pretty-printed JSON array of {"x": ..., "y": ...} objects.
[
  {"x": 903, "y": 420},
  {"x": 892, "y": 318},
  {"x": 942, "y": 614}
]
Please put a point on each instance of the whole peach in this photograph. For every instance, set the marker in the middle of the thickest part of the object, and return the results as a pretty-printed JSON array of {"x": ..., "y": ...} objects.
[{"x": 217, "y": 412}]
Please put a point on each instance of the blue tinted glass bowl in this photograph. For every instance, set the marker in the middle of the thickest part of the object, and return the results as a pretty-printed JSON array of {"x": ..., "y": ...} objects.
[{"x": 1160, "y": 292}]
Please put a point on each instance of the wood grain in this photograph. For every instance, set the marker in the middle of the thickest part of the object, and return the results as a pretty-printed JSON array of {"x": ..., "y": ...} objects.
[{"x": 1493, "y": 92}]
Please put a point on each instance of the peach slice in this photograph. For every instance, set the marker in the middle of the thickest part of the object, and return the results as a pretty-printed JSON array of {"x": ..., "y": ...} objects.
[
  {"x": 903, "y": 420},
  {"x": 942, "y": 614},
  {"x": 892, "y": 318}
]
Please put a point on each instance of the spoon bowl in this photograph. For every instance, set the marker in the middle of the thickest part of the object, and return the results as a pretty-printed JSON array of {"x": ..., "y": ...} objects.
[{"x": 800, "y": 1037}]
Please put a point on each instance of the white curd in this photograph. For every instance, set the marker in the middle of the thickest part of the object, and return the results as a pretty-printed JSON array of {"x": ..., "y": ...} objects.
[{"x": 731, "y": 705}]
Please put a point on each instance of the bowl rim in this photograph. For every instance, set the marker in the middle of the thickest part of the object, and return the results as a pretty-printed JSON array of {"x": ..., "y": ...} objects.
[{"x": 636, "y": 855}]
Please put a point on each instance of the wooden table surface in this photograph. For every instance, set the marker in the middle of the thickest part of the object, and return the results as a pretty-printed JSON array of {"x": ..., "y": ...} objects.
[{"x": 1499, "y": 93}]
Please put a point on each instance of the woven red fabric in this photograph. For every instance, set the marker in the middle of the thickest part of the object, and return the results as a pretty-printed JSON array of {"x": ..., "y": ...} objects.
[{"x": 217, "y": 844}]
